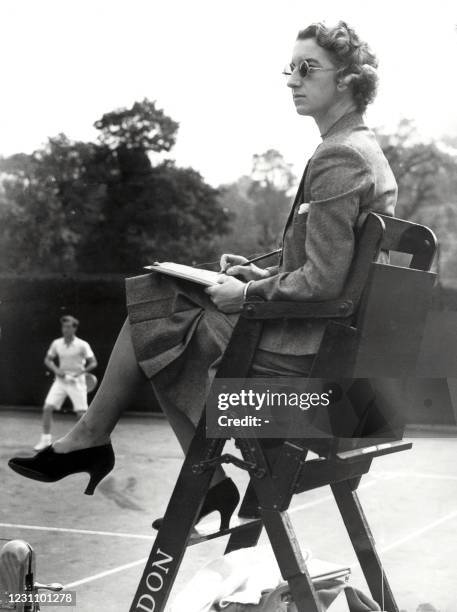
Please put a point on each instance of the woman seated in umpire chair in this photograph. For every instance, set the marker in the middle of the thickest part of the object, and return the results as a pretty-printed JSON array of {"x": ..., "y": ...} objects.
[{"x": 176, "y": 331}]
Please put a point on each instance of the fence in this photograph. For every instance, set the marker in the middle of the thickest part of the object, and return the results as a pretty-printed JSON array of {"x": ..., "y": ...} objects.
[{"x": 29, "y": 318}]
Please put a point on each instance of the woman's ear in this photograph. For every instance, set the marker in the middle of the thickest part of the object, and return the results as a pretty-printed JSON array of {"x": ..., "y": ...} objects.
[{"x": 344, "y": 82}]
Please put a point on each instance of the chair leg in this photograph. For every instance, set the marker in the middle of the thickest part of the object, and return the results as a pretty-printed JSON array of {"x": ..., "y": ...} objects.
[
  {"x": 279, "y": 528},
  {"x": 364, "y": 545},
  {"x": 290, "y": 560},
  {"x": 171, "y": 542}
]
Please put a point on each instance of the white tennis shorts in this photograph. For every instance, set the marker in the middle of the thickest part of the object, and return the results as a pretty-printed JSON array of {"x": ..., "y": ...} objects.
[{"x": 75, "y": 390}]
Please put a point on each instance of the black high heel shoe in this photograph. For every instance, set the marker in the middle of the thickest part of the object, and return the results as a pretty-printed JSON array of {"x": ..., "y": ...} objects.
[
  {"x": 49, "y": 466},
  {"x": 222, "y": 498}
]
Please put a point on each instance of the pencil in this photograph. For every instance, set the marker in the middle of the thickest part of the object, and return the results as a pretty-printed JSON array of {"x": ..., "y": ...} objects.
[{"x": 260, "y": 257}]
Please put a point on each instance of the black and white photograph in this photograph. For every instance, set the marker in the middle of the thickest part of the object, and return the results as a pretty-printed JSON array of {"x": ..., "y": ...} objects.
[{"x": 228, "y": 306}]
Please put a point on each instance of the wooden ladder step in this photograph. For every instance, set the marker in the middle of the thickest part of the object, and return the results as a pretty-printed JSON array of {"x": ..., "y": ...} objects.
[
  {"x": 376, "y": 450},
  {"x": 205, "y": 534}
]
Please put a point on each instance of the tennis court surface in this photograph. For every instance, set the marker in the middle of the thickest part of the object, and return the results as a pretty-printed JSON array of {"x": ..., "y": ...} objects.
[{"x": 97, "y": 546}]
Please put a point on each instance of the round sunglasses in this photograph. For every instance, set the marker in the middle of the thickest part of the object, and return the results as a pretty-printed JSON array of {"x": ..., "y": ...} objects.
[{"x": 304, "y": 69}]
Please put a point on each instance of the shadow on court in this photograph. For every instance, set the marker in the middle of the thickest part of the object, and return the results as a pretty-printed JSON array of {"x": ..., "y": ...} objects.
[{"x": 97, "y": 546}]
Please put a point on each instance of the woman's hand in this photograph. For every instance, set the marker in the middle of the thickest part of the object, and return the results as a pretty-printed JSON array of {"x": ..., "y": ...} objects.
[
  {"x": 227, "y": 295},
  {"x": 247, "y": 273},
  {"x": 231, "y": 265},
  {"x": 228, "y": 260}
]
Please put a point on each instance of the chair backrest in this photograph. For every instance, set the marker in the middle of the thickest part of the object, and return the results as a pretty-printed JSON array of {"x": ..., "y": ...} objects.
[
  {"x": 376, "y": 335},
  {"x": 378, "y": 349},
  {"x": 383, "y": 337},
  {"x": 394, "y": 303}
]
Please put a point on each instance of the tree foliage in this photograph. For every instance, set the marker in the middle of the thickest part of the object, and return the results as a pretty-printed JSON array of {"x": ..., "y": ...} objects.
[
  {"x": 259, "y": 204},
  {"x": 272, "y": 179},
  {"x": 426, "y": 174},
  {"x": 144, "y": 127},
  {"x": 116, "y": 204},
  {"x": 104, "y": 206}
]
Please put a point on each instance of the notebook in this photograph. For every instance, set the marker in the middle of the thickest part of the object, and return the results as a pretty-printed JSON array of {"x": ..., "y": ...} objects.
[{"x": 195, "y": 275}]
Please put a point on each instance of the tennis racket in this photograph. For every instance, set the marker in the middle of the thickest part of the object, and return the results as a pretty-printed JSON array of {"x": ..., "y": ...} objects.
[{"x": 91, "y": 380}]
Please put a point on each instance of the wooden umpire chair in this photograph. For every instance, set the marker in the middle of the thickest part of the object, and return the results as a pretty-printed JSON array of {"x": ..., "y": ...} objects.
[{"x": 373, "y": 330}]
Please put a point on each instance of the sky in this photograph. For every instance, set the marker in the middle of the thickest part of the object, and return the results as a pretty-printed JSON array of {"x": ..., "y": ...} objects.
[{"x": 215, "y": 67}]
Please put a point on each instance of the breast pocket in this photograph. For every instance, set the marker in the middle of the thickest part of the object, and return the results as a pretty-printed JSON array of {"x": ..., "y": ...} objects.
[
  {"x": 301, "y": 215},
  {"x": 303, "y": 209}
]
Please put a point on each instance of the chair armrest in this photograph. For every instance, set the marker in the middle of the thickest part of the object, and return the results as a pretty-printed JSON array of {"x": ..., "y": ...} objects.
[{"x": 330, "y": 309}]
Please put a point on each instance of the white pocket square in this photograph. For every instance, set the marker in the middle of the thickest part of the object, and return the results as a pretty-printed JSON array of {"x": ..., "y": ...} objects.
[{"x": 303, "y": 208}]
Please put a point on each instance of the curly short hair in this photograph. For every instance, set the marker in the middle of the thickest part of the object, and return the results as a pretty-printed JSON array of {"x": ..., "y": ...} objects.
[{"x": 350, "y": 55}]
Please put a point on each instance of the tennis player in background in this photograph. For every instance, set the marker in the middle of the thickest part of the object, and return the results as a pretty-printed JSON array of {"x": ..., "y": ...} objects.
[{"x": 69, "y": 358}]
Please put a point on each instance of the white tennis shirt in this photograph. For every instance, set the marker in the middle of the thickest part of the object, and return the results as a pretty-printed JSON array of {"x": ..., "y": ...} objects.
[{"x": 73, "y": 356}]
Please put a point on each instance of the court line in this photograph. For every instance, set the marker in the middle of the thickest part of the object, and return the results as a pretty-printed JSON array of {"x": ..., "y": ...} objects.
[
  {"x": 142, "y": 561},
  {"x": 127, "y": 566},
  {"x": 396, "y": 544},
  {"x": 115, "y": 570},
  {"x": 411, "y": 536},
  {"x": 80, "y": 531},
  {"x": 420, "y": 531}
]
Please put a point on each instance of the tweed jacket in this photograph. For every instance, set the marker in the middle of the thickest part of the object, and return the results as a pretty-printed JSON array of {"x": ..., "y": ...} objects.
[{"x": 346, "y": 178}]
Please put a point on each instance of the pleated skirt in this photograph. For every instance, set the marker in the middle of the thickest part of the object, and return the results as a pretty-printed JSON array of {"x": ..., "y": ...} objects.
[{"x": 179, "y": 337}]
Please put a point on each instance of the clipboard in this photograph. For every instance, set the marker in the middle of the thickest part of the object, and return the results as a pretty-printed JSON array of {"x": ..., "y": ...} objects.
[{"x": 194, "y": 275}]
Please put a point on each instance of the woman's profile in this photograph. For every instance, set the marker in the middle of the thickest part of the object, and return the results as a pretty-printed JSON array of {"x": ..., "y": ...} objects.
[{"x": 176, "y": 331}]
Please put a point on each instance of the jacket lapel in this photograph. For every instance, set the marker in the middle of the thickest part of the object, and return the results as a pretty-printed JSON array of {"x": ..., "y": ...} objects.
[
  {"x": 352, "y": 119},
  {"x": 298, "y": 197}
]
